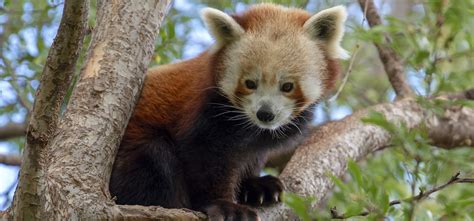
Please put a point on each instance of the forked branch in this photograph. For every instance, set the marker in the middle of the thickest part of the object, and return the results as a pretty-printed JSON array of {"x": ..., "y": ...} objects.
[
  {"x": 55, "y": 80},
  {"x": 392, "y": 63}
]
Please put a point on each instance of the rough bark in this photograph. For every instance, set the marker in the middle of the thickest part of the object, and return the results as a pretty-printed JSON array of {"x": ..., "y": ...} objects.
[
  {"x": 454, "y": 128},
  {"x": 12, "y": 130},
  {"x": 391, "y": 62},
  {"x": 332, "y": 145},
  {"x": 55, "y": 79},
  {"x": 99, "y": 109},
  {"x": 72, "y": 171},
  {"x": 10, "y": 160}
]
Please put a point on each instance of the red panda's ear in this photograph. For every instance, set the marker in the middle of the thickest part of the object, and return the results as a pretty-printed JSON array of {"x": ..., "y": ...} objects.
[
  {"x": 327, "y": 26},
  {"x": 222, "y": 27}
]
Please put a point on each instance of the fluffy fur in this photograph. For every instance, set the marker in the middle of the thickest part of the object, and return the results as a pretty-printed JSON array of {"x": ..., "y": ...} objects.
[{"x": 200, "y": 133}]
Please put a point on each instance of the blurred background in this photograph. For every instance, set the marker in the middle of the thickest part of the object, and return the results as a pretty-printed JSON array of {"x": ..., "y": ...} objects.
[{"x": 434, "y": 38}]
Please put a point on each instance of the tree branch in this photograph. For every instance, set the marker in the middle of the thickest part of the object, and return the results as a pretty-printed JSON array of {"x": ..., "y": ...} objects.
[
  {"x": 448, "y": 131},
  {"x": 55, "y": 80},
  {"x": 422, "y": 195},
  {"x": 391, "y": 62},
  {"x": 12, "y": 130},
  {"x": 21, "y": 97},
  {"x": 331, "y": 146},
  {"x": 10, "y": 160},
  {"x": 57, "y": 74}
]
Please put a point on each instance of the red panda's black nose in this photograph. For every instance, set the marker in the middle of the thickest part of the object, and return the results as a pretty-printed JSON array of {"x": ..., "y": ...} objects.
[{"x": 264, "y": 114}]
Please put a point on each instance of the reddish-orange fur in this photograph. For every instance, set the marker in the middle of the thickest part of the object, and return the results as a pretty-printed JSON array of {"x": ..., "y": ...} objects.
[
  {"x": 251, "y": 20},
  {"x": 333, "y": 71},
  {"x": 172, "y": 96}
]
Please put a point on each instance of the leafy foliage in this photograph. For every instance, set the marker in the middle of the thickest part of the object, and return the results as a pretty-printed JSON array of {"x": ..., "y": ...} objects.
[
  {"x": 301, "y": 206},
  {"x": 401, "y": 172}
]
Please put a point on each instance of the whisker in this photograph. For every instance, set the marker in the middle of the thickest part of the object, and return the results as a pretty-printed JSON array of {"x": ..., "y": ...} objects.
[
  {"x": 292, "y": 123},
  {"x": 238, "y": 117}
]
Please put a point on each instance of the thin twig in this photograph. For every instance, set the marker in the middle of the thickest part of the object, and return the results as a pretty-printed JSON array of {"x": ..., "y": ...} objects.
[
  {"x": 383, "y": 147},
  {"x": 10, "y": 160},
  {"x": 411, "y": 212},
  {"x": 346, "y": 77},
  {"x": 6, "y": 11},
  {"x": 392, "y": 63},
  {"x": 434, "y": 65},
  {"x": 421, "y": 196},
  {"x": 351, "y": 63},
  {"x": 12, "y": 130},
  {"x": 14, "y": 83}
]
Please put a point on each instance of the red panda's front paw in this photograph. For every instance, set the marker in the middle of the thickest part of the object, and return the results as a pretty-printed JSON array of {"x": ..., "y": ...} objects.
[
  {"x": 260, "y": 191},
  {"x": 221, "y": 210}
]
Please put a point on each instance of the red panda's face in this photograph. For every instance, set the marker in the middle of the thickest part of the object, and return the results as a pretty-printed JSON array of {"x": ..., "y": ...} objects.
[
  {"x": 272, "y": 81},
  {"x": 274, "y": 60}
]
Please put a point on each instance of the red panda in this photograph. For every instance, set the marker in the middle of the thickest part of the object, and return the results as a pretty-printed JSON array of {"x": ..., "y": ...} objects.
[{"x": 202, "y": 128}]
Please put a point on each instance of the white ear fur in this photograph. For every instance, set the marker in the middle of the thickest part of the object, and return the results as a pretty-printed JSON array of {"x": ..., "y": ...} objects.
[
  {"x": 221, "y": 26},
  {"x": 328, "y": 26}
]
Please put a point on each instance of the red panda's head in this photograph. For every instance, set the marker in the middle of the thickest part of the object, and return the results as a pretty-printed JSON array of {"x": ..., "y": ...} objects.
[{"x": 276, "y": 61}]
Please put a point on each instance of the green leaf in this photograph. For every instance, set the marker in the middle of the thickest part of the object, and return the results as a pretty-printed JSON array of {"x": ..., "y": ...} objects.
[
  {"x": 379, "y": 119},
  {"x": 299, "y": 205},
  {"x": 421, "y": 56},
  {"x": 383, "y": 200},
  {"x": 354, "y": 209},
  {"x": 338, "y": 182},
  {"x": 355, "y": 173}
]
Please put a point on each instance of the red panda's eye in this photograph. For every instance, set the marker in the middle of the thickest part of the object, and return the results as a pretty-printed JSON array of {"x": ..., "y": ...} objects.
[
  {"x": 287, "y": 87},
  {"x": 252, "y": 85}
]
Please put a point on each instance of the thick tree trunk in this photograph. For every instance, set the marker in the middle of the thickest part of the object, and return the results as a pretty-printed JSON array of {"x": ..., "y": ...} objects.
[
  {"x": 70, "y": 175},
  {"x": 55, "y": 80}
]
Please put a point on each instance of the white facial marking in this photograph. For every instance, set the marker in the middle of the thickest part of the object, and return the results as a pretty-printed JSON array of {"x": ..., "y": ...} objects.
[
  {"x": 272, "y": 100},
  {"x": 281, "y": 61}
]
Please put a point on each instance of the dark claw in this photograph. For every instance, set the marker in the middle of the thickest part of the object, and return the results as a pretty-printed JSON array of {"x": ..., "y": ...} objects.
[{"x": 260, "y": 191}]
